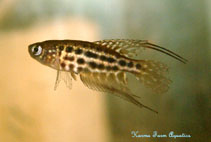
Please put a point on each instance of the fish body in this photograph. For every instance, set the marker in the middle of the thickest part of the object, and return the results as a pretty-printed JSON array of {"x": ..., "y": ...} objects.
[
  {"x": 102, "y": 65},
  {"x": 81, "y": 56}
]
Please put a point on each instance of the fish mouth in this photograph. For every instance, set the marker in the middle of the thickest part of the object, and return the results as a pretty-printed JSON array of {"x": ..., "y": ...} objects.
[{"x": 30, "y": 49}]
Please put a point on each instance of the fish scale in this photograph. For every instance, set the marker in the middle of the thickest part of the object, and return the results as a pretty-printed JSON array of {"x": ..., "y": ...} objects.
[{"x": 102, "y": 65}]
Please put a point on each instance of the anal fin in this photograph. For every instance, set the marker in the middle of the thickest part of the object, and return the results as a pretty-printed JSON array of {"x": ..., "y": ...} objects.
[{"x": 105, "y": 82}]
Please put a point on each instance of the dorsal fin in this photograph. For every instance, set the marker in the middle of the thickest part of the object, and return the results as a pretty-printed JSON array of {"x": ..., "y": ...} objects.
[
  {"x": 130, "y": 48},
  {"x": 125, "y": 47},
  {"x": 108, "y": 82}
]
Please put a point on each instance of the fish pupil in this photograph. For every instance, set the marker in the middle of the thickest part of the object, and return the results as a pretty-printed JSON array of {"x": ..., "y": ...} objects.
[{"x": 35, "y": 49}]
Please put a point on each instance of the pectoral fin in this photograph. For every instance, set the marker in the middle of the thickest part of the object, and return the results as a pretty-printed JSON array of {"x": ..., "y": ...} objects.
[{"x": 65, "y": 76}]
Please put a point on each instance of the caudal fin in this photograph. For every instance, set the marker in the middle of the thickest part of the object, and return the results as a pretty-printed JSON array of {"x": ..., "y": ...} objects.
[{"x": 152, "y": 75}]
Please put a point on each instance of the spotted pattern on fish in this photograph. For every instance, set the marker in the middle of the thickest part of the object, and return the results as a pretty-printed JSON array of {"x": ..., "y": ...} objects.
[{"x": 102, "y": 65}]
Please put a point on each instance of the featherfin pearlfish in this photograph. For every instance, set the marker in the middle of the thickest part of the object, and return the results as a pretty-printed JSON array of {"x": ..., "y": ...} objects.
[{"x": 102, "y": 65}]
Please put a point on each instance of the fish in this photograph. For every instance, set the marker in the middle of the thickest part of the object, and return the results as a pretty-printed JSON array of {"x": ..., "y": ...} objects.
[{"x": 104, "y": 65}]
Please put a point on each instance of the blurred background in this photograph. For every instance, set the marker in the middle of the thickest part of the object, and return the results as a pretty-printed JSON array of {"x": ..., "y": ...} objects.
[{"x": 30, "y": 109}]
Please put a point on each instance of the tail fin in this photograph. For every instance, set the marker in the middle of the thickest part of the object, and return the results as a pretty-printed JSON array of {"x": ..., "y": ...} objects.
[{"x": 152, "y": 75}]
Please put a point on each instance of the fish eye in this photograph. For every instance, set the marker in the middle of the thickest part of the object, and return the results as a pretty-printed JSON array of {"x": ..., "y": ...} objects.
[{"x": 37, "y": 50}]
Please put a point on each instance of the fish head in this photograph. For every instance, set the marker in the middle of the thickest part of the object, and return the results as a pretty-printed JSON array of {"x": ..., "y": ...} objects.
[{"x": 44, "y": 53}]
